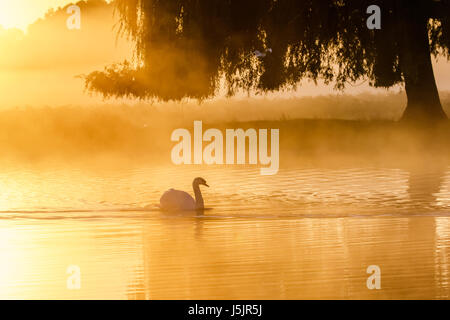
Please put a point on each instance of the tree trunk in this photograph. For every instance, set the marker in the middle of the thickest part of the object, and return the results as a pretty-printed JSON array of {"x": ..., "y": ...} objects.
[{"x": 415, "y": 64}]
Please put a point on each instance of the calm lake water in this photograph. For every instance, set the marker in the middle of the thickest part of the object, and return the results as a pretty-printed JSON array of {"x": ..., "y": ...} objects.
[{"x": 305, "y": 233}]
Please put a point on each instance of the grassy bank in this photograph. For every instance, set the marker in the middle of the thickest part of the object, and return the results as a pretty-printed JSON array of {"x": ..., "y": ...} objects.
[{"x": 143, "y": 132}]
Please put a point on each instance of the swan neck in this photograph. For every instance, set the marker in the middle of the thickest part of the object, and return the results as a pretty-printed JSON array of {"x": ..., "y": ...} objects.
[{"x": 198, "y": 196}]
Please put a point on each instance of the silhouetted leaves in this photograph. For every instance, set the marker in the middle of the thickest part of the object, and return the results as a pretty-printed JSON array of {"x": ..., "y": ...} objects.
[{"x": 186, "y": 47}]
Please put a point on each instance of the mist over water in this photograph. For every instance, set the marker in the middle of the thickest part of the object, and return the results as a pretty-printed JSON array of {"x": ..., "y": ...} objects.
[
  {"x": 81, "y": 186},
  {"x": 81, "y": 179},
  {"x": 308, "y": 232}
]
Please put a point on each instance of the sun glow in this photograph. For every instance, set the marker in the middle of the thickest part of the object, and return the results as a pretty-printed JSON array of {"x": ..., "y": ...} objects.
[{"x": 20, "y": 13}]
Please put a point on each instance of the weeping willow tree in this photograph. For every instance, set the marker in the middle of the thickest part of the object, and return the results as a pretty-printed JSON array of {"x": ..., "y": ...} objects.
[{"x": 191, "y": 48}]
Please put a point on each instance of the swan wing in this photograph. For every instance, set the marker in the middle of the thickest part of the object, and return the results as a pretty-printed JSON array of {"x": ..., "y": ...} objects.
[{"x": 177, "y": 200}]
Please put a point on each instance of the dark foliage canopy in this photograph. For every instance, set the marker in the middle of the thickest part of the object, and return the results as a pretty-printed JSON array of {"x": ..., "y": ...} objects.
[{"x": 190, "y": 48}]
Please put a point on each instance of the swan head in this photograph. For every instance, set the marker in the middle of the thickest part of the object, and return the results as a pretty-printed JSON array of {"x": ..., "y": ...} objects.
[{"x": 199, "y": 181}]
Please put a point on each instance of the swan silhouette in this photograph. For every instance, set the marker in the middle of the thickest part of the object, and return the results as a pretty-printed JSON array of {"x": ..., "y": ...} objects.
[{"x": 176, "y": 200}]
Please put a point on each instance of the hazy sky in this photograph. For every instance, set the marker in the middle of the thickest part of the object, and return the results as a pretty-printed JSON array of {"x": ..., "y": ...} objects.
[
  {"x": 62, "y": 87},
  {"x": 20, "y": 13}
]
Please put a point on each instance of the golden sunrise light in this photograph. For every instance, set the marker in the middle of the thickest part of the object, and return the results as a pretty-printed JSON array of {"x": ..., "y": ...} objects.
[
  {"x": 20, "y": 13},
  {"x": 211, "y": 150}
]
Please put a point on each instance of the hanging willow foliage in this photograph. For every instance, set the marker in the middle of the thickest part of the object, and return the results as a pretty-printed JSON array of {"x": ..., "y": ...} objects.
[{"x": 189, "y": 48}]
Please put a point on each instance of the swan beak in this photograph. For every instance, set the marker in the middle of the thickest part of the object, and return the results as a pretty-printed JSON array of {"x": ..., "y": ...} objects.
[{"x": 206, "y": 185}]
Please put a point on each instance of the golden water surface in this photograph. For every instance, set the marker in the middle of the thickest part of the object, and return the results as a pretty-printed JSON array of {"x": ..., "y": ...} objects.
[{"x": 305, "y": 233}]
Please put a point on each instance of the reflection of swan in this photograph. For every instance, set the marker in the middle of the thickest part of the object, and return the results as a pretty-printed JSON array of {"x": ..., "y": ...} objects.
[{"x": 173, "y": 200}]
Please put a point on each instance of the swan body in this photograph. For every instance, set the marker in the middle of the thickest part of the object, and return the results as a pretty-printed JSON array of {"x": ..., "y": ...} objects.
[{"x": 176, "y": 200}]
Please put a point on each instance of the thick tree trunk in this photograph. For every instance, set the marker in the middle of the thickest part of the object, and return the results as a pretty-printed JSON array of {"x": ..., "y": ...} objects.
[{"x": 415, "y": 64}]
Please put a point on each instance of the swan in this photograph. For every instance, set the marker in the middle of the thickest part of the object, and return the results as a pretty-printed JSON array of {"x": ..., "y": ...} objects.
[{"x": 175, "y": 200}]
